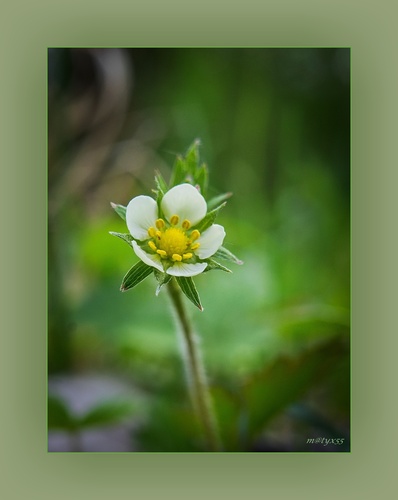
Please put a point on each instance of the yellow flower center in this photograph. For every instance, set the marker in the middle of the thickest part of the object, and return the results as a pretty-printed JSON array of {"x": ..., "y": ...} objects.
[{"x": 173, "y": 243}]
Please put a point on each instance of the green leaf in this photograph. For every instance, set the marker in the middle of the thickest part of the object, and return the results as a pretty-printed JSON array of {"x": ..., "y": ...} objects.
[
  {"x": 218, "y": 200},
  {"x": 59, "y": 416},
  {"x": 162, "y": 279},
  {"x": 108, "y": 413},
  {"x": 209, "y": 219},
  {"x": 179, "y": 173},
  {"x": 135, "y": 275},
  {"x": 223, "y": 253},
  {"x": 189, "y": 289},
  {"x": 213, "y": 265},
  {"x": 120, "y": 210},
  {"x": 123, "y": 236}
]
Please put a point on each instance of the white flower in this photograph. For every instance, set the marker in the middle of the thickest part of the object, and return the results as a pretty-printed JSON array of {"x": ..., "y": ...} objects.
[{"x": 172, "y": 244}]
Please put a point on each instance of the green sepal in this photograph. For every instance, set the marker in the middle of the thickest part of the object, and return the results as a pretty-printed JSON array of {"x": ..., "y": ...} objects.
[
  {"x": 189, "y": 290},
  {"x": 162, "y": 279},
  {"x": 120, "y": 210},
  {"x": 213, "y": 265},
  {"x": 209, "y": 219},
  {"x": 224, "y": 254},
  {"x": 123, "y": 236},
  {"x": 135, "y": 275},
  {"x": 218, "y": 200}
]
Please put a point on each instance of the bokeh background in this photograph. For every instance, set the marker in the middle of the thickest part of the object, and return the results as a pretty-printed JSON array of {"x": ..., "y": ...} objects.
[{"x": 274, "y": 125}]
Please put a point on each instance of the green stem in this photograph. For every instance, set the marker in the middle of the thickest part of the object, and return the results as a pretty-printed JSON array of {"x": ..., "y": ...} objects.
[{"x": 194, "y": 367}]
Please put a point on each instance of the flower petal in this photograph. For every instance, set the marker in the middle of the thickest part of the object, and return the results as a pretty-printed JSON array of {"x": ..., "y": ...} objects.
[
  {"x": 141, "y": 214},
  {"x": 152, "y": 260},
  {"x": 210, "y": 241},
  {"x": 185, "y": 201},
  {"x": 184, "y": 269}
]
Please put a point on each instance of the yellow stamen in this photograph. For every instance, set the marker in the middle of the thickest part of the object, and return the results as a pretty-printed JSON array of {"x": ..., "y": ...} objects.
[
  {"x": 152, "y": 245},
  {"x": 195, "y": 247},
  {"x": 195, "y": 234},
  {"x": 174, "y": 220},
  {"x": 176, "y": 257},
  {"x": 174, "y": 241},
  {"x": 158, "y": 234},
  {"x": 187, "y": 256},
  {"x": 186, "y": 224},
  {"x": 160, "y": 223},
  {"x": 162, "y": 253},
  {"x": 152, "y": 232}
]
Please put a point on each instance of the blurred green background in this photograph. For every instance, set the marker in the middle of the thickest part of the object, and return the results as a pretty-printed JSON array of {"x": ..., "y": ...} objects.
[{"x": 275, "y": 130}]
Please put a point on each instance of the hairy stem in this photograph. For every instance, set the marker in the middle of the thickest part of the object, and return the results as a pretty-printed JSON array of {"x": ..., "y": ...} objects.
[{"x": 194, "y": 367}]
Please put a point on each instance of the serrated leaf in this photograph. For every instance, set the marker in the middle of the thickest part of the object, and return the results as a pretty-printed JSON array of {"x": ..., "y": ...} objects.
[
  {"x": 218, "y": 200},
  {"x": 208, "y": 219},
  {"x": 213, "y": 265},
  {"x": 108, "y": 413},
  {"x": 224, "y": 254},
  {"x": 123, "y": 236},
  {"x": 162, "y": 279},
  {"x": 120, "y": 210},
  {"x": 179, "y": 172},
  {"x": 135, "y": 275},
  {"x": 58, "y": 415},
  {"x": 189, "y": 290}
]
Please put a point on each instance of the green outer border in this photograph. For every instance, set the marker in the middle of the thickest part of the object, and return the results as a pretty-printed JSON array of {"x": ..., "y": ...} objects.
[{"x": 27, "y": 469}]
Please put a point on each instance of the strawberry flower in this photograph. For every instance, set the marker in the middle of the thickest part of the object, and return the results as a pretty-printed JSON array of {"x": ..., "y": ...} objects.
[
  {"x": 168, "y": 237},
  {"x": 174, "y": 234}
]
